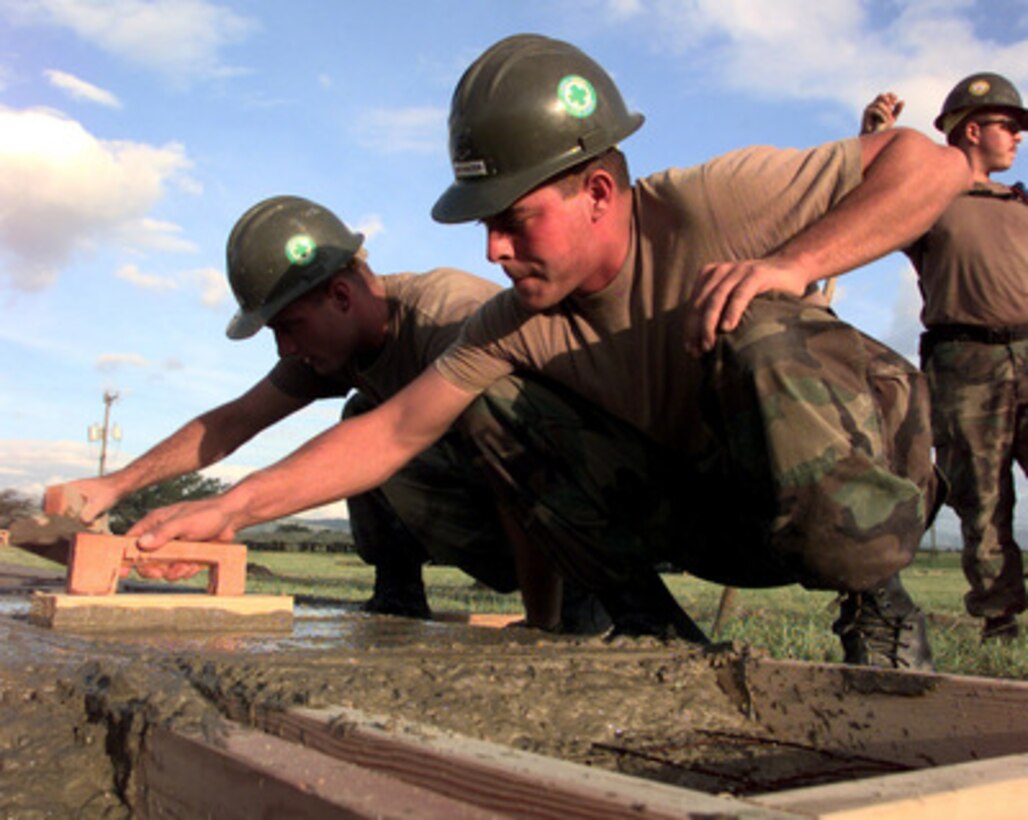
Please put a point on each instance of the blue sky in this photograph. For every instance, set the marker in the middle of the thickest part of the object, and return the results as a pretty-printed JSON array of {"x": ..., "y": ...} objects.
[{"x": 134, "y": 134}]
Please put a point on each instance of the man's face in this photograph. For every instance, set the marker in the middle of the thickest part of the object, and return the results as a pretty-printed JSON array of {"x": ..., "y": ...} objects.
[
  {"x": 542, "y": 243},
  {"x": 999, "y": 137},
  {"x": 316, "y": 329}
]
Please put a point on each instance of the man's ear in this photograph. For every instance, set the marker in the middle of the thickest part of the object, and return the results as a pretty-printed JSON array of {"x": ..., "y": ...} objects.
[
  {"x": 973, "y": 132},
  {"x": 339, "y": 292},
  {"x": 601, "y": 189}
]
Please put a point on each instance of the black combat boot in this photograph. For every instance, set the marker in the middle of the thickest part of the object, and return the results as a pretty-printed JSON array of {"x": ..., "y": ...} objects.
[
  {"x": 383, "y": 541},
  {"x": 1002, "y": 628},
  {"x": 645, "y": 606},
  {"x": 399, "y": 590},
  {"x": 884, "y": 627},
  {"x": 582, "y": 612}
]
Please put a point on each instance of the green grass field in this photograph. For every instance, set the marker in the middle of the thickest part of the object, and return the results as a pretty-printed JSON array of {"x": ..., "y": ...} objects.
[{"x": 787, "y": 622}]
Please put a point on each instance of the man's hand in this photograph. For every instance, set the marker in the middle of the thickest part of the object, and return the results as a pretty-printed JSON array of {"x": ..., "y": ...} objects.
[
  {"x": 724, "y": 290},
  {"x": 97, "y": 495},
  {"x": 881, "y": 113},
  {"x": 205, "y": 520},
  {"x": 164, "y": 570}
]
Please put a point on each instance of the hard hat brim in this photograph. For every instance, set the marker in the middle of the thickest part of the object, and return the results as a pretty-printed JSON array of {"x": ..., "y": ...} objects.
[
  {"x": 247, "y": 323},
  {"x": 481, "y": 197},
  {"x": 470, "y": 199}
]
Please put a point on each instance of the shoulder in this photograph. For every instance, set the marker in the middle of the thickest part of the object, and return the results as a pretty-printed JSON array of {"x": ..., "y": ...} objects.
[
  {"x": 437, "y": 280},
  {"x": 440, "y": 290},
  {"x": 765, "y": 161}
]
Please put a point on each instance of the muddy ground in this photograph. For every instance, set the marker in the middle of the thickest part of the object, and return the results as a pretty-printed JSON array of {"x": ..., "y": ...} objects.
[{"x": 76, "y": 709}]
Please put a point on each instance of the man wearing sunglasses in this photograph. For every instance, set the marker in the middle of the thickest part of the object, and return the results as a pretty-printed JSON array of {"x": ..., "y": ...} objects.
[{"x": 971, "y": 267}]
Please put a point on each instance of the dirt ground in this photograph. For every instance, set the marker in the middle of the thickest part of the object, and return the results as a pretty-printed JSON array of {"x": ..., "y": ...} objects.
[{"x": 77, "y": 708}]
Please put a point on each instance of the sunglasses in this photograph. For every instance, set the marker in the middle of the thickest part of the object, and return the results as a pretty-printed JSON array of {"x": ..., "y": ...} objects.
[{"x": 1009, "y": 125}]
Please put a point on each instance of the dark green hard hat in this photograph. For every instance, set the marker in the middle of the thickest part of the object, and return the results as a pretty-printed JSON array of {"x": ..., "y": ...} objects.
[
  {"x": 981, "y": 90},
  {"x": 527, "y": 109},
  {"x": 277, "y": 251}
]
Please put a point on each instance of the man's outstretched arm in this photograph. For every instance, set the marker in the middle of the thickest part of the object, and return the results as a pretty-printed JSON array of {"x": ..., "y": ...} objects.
[
  {"x": 199, "y": 443},
  {"x": 351, "y": 457},
  {"x": 908, "y": 182}
]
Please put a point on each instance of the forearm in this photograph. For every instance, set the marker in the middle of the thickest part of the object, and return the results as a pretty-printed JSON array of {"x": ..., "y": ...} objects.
[
  {"x": 352, "y": 456},
  {"x": 349, "y": 458},
  {"x": 208, "y": 438},
  {"x": 186, "y": 450},
  {"x": 908, "y": 182}
]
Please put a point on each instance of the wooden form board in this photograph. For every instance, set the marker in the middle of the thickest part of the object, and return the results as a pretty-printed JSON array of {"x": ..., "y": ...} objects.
[
  {"x": 248, "y": 774},
  {"x": 181, "y": 612},
  {"x": 494, "y": 777},
  {"x": 341, "y": 762},
  {"x": 995, "y": 789},
  {"x": 913, "y": 719}
]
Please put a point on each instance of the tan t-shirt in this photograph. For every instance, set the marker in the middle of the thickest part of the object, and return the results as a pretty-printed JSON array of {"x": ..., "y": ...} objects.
[
  {"x": 973, "y": 263},
  {"x": 623, "y": 348},
  {"x": 426, "y": 312}
]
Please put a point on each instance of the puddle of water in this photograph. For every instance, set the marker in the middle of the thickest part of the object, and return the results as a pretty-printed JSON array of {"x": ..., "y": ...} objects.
[{"x": 317, "y": 628}]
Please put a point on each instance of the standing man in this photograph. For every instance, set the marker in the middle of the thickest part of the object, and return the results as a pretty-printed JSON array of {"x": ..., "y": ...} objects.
[
  {"x": 753, "y": 441},
  {"x": 972, "y": 268}
]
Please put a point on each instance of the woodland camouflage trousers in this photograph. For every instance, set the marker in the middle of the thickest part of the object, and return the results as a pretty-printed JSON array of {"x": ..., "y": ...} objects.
[
  {"x": 437, "y": 507},
  {"x": 813, "y": 464},
  {"x": 980, "y": 418}
]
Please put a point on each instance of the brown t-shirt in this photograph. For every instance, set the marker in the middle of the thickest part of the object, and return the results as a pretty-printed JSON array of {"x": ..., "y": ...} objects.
[
  {"x": 623, "y": 348},
  {"x": 973, "y": 263},
  {"x": 426, "y": 312}
]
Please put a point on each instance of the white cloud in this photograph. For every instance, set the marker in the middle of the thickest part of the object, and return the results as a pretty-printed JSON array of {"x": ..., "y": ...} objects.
[
  {"x": 419, "y": 130},
  {"x": 182, "y": 39},
  {"x": 146, "y": 281},
  {"x": 905, "y": 324},
  {"x": 212, "y": 283},
  {"x": 843, "y": 51},
  {"x": 79, "y": 89},
  {"x": 29, "y": 466},
  {"x": 371, "y": 226},
  {"x": 154, "y": 234},
  {"x": 624, "y": 8},
  {"x": 62, "y": 191},
  {"x": 109, "y": 362}
]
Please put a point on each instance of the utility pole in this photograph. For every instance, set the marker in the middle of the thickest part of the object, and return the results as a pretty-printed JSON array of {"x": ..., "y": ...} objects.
[{"x": 105, "y": 433}]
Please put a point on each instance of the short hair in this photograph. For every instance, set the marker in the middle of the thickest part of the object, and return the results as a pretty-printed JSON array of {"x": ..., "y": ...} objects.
[
  {"x": 357, "y": 266},
  {"x": 612, "y": 161}
]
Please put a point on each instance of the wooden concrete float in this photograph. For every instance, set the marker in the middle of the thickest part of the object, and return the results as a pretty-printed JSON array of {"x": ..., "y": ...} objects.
[
  {"x": 93, "y": 604},
  {"x": 161, "y": 611},
  {"x": 955, "y": 747}
]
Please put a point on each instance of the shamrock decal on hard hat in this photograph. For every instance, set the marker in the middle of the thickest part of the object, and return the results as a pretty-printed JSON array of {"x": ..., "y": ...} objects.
[{"x": 301, "y": 249}]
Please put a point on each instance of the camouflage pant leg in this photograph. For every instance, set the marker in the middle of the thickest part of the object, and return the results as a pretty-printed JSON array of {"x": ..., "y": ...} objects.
[
  {"x": 815, "y": 467},
  {"x": 585, "y": 487},
  {"x": 604, "y": 502},
  {"x": 435, "y": 507},
  {"x": 980, "y": 417},
  {"x": 825, "y": 434}
]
